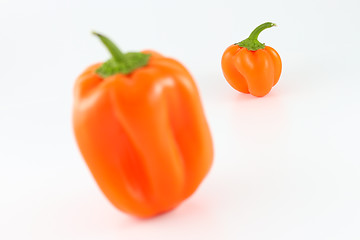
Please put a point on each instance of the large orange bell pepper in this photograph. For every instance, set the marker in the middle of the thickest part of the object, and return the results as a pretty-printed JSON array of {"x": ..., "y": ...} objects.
[
  {"x": 141, "y": 129},
  {"x": 251, "y": 67}
]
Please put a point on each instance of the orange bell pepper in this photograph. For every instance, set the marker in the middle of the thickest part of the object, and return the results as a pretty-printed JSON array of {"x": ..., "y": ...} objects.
[
  {"x": 141, "y": 129},
  {"x": 251, "y": 67}
]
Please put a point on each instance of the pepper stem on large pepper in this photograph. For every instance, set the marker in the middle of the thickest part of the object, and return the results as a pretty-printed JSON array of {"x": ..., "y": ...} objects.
[
  {"x": 113, "y": 49},
  {"x": 123, "y": 63}
]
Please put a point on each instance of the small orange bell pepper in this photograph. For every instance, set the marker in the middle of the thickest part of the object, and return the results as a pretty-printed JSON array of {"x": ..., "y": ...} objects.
[
  {"x": 251, "y": 67},
  {"x": 141, "y": 129}
]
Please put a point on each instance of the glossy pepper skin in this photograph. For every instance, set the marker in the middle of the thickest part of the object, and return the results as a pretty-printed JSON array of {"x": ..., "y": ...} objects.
[
  {"x": 250, "y": 66},
  {"x": 143, "y": 135}
]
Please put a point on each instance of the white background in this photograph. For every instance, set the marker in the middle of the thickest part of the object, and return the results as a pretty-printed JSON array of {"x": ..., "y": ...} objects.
[{"x": 287, "y": 166}]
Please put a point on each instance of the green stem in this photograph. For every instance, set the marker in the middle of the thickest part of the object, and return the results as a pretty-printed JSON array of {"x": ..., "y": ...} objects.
[
  {"x": 255, "y": 34},
  {"x": 113, "y": 49},
  {"x": 120, "y": 63},
  {"x": 252, "y": 43}
]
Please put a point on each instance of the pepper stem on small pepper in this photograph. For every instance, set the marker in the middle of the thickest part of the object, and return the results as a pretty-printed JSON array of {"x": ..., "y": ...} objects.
[
  {"x": 124, "y": 63},
  {"x": 252, "y": 43}
]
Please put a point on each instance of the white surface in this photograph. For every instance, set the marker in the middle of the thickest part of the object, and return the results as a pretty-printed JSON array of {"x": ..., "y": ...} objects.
[{"x": 286, "y": 166}]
